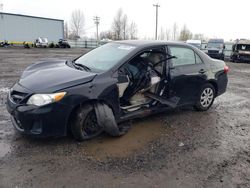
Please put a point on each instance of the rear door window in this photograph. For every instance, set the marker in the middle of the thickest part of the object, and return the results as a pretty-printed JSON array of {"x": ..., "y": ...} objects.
[
  {"x": 184, "y": 56},
  {"x": 198, "y": 59}
]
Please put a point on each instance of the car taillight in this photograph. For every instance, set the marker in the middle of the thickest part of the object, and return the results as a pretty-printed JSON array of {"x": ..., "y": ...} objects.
[{"x": 226, "y": 69}]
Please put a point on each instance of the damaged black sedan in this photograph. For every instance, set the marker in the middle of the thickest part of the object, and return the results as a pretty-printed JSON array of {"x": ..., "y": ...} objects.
[{"x": 111, "y": 84}]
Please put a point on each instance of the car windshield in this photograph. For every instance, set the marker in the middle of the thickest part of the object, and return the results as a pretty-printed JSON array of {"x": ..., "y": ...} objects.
[
  {"x": 105, "y": 57},
  {"x": 214, "y": 45}
]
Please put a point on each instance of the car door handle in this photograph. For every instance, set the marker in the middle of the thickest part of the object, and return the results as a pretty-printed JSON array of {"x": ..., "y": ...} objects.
[{"x": 202, "y": 71}]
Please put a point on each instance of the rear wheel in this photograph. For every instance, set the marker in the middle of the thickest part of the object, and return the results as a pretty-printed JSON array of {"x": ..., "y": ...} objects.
[
  {"x": 206, "y": 97},
  {"x": 84, "y": 124}
]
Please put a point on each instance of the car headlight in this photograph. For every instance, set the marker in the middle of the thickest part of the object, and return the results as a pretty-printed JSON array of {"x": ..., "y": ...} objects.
[{"x": 43, "y": 99}]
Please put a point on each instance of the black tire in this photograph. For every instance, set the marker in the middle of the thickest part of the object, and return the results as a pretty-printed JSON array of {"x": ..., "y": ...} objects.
[
  {"x": 206, "y": 97},
  {"x": 84, "y": 124}
]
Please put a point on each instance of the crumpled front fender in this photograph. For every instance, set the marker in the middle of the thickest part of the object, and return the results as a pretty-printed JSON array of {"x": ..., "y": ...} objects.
[{"x": 106, "y": 119}]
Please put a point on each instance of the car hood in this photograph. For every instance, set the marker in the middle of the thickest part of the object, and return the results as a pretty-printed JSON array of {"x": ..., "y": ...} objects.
[{"x": 51, "y": 76}]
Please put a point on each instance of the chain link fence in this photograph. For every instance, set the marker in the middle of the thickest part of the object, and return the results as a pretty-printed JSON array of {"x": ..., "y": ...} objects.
[{"x": 86, "y": 43}]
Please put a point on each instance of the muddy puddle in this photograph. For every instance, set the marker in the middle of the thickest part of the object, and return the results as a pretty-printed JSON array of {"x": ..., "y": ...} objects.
[{"x": 139, "y": 136}]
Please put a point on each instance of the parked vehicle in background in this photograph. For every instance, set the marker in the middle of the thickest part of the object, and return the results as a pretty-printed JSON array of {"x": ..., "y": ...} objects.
[
  {"x": 63, "y": 43},
  {"x": 228, "y": 50},
  {"x": 41, "y": 42},
  {"x": 241, "y": 51},
  {"x": 26, "y": 44},
  {"x": 215, "y": 48},
  {"x": 4, "y": 43},
  {"x": 52, "y": 45},
  {"x": 195, "y": 43},
  {"x": 113, "y": 83}
]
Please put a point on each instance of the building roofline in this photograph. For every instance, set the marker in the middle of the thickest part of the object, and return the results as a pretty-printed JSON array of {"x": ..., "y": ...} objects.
[{"x": 12, "y": 14}]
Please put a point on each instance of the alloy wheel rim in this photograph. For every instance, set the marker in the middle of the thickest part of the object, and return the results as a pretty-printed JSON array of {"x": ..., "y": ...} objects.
[{"x": 207, "y": 97}]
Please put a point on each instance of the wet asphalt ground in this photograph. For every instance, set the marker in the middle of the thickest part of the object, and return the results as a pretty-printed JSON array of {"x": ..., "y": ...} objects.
[{"x": 178, "y": 148}]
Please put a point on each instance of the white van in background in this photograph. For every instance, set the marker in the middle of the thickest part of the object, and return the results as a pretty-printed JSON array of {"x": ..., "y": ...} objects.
[
  {"x": 195, "y": 43},
  {"x": 41, "y": 42}
]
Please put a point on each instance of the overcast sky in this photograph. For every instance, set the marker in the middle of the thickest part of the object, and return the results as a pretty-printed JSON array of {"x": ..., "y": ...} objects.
[{"x": 215, "y": 18}]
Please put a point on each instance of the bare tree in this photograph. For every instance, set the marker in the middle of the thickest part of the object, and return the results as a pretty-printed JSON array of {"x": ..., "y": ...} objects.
[
  {"x": 199, "y": 36},
  {"x": 162, "y": 34},
  {"x": 133, "y": 31},
  {"x": 125, "y": 27},
  {"x": 77, "y": 23},
  {"x": 117, "y": 26},
  {"x": 106, "y": 35},
  {"x": 168, "y": 34},
  {"x": 175, "y": 31},
  {"x": 121, "y": 28},
  {"x": 185, "y": 34},
  {"x": 66, "y": 30}
]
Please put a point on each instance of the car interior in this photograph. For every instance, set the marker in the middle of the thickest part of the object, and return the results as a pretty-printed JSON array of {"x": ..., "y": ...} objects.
[{"x": 139, "y": 76}]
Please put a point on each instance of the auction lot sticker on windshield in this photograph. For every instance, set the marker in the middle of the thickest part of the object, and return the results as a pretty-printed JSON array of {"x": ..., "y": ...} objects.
[{"x": 126, "y": 47}]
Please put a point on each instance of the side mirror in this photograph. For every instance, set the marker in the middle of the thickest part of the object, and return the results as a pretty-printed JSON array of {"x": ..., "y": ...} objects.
[{"x": 224, "y": 47}]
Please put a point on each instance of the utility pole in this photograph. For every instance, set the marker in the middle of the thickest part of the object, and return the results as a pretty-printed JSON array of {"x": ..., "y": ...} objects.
[
  {"x": 156, "y": 17},
  {"x": 97, "y": 22}
]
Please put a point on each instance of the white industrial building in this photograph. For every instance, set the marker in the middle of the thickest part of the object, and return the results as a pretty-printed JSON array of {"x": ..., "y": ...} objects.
[{"x": 19, "y": 28}]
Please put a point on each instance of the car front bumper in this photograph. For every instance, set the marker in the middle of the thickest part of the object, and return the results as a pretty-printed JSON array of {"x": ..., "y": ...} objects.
[
  {"x": 216, "y": 55},
  {"x": 44, "y": 121},
  {"x": 244, "y": 58}
]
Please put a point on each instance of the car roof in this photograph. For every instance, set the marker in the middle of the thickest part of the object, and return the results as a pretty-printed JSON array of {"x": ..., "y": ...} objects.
[
  {"x": 216, "y": 40},
  {"x": 145, "y": 43},
  {"x": 194, "y": 41},
  {"x": 243, "y": 41}
]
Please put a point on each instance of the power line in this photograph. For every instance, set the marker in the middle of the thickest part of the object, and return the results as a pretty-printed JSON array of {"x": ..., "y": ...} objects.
[
  {"x": 156, "y": 17},
  {"x": 97, "y": 22}
]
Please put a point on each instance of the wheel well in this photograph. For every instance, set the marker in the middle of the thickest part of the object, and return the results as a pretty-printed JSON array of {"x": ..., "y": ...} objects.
[
  {"x": 214, "y": 84},
  {"x": 72, "y": 113}
]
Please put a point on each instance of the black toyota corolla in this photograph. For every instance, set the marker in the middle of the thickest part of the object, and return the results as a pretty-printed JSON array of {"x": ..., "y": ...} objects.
[{"x": 111, "y": 84}]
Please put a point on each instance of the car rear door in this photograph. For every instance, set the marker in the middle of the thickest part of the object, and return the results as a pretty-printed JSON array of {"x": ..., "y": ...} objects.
[{"x": 187, "y": 74}]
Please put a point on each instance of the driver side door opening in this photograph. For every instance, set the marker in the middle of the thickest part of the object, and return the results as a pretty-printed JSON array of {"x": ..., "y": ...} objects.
[{"x": 142, "y": 81}]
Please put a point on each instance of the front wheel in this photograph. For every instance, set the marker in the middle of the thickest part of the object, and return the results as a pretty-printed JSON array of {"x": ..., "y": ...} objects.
[
  {"x": 206, "y": 97},
  {"x": 84, "y": 124}
]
